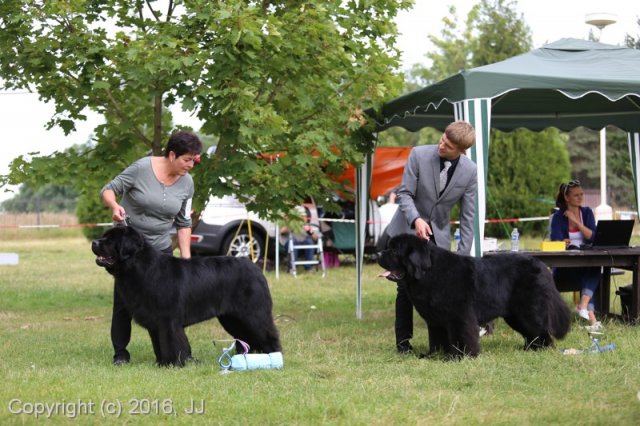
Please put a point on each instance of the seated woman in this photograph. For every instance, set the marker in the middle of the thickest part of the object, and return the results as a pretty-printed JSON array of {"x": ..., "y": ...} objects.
[{"x": 576, "y": 225}]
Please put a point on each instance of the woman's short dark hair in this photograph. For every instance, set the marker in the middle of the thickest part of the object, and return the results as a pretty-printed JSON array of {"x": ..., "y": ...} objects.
[{"x": 183, "y": 142}]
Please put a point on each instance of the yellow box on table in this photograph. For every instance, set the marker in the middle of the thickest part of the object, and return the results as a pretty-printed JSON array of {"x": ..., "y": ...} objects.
[{"x": 553, "y": 246}]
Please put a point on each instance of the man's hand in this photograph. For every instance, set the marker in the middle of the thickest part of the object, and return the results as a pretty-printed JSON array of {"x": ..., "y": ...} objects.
[{"x": 423, "y": 230}]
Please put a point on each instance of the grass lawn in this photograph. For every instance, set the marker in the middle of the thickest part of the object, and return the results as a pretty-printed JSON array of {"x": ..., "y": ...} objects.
[{"x": 55, "y": 360}]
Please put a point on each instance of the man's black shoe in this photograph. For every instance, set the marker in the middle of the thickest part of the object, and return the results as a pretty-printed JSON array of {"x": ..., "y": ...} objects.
[
  {"x": 404, "y": 348},
  {"x": 120, "y": 361}
]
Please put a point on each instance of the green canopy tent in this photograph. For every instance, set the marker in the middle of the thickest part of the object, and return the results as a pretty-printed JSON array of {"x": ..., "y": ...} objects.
[{"x": 564, "y": 84}]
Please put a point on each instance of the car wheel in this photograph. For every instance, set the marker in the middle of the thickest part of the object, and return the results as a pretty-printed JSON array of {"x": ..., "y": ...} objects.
[{"x": 241, "y": 245}]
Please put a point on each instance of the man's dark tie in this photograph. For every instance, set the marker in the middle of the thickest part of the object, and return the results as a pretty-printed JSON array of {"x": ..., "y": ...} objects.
[{"x": 443, "y": 175}]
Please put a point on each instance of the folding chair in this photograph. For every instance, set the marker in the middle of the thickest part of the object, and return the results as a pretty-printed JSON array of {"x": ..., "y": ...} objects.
[
  {"x": 344, "y": 236},
  {"x": 318, "y": 261}
]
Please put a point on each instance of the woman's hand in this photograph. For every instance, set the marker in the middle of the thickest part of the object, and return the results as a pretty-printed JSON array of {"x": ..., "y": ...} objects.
[
  {"x": 574, "y": 220},
  {"x": 117, "y": 213}
]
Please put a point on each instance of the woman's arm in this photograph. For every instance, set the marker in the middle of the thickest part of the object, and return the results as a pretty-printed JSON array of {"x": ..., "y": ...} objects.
[
  {"x": 184, "y": 242},
  {"x": 556, "y": 232},
  {"x": 117, "y": 211}
]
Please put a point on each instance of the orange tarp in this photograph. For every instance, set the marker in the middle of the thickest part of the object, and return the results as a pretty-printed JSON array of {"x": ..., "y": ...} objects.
[{"x": 388, "y": 165}]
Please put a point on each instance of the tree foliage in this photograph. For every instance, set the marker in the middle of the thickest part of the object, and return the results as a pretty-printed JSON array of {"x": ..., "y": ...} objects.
[
  {"x": 48, "y": 198},
  {"x": 498, "y": 32},
  {"x": 86, "y": 168},
  {"x": 633, "y": 41},
  {"x": 452, "y": 53},
  {"x": 525, "y": 171},
  {"x": 525, "y": 168},
  {"x": 283, "y": 77},
  {"x": 584, "y": 153}
]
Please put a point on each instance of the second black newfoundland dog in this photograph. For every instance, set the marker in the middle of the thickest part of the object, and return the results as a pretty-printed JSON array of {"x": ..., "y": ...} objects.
[
  {"x": 455, "y": 293},
  {"x": 166, "y": 294}
]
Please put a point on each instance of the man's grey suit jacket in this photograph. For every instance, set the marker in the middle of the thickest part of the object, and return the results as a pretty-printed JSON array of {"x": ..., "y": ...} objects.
[{"x": 418, "y": 197}]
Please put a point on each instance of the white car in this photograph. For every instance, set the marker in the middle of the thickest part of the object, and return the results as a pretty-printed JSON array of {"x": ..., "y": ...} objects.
[{"x": 227, "y": 228}]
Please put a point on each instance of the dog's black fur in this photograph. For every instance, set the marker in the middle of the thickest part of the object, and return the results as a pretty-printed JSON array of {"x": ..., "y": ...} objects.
[
  {"x": 454, "y": 293},
  {"x": 165, "y": 294}
]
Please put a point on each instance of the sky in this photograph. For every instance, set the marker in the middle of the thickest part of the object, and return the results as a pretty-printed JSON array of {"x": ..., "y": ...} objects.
[{"x": 23, "y": 117}]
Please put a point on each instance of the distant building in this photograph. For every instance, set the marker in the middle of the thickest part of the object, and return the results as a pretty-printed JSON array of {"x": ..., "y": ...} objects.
[{"x": 591, "y": 198}]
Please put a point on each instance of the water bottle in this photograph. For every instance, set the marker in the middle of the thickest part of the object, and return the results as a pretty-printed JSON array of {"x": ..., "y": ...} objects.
[
  {"x": 456, "y": 240},
  {"x": 247, "y": 361},
  {"x": 515, "y": 240},
  {"x": 609, "y": 347},
  {"x": 256, "y": 361}
]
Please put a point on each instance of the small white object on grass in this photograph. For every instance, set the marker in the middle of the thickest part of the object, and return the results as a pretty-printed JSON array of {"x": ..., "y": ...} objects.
[{"x": 8, "y": 258}]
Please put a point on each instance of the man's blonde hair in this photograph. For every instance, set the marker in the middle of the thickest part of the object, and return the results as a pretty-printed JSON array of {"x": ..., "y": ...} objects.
[{"x": 461, "y": 134}]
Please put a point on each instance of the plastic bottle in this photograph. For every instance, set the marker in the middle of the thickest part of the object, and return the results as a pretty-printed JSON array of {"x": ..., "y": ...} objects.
[
  {"x": 609, "y": 347},
  {"x": 515, "y": 240},
  {"x": 456, "y": 240},
  {"x": 256, "y": 361}
]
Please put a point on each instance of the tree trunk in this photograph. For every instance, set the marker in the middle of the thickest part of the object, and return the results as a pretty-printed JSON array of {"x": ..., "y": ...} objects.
[{"x": 157, "y": 126}]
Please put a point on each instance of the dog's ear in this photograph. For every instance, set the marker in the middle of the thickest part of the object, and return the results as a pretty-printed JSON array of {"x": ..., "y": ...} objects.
[
  {"x": 419, "y": 260},
  {"x": 130, "y": 243},
  {"x": 414, "y": 265},
  {"x": 426, "y": 256}
]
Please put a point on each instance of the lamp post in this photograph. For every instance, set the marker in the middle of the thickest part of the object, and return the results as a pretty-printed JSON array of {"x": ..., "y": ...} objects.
[{"x": 603, "y": 211}]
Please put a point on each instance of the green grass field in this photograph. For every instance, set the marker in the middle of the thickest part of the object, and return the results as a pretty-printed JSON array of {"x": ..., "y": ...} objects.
[{"x": 55, "y": 360}]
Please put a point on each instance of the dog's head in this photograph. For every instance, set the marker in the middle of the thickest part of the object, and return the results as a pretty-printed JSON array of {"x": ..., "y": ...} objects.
[
  {"x": 117, "y": 246},
  {"x": 406, "y": 256}
]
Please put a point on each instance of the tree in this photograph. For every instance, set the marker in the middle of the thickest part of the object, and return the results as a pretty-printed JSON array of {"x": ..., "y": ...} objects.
[
  {"x": 87, "y": 168},
  {"x": 619, "y": 174},
  {"x": 515, "y": 188},
  {"x": 633, "y": 41},
  {"x": 584, "y": 152},
  {"x": 501, "y": 33},
  {"x": 48, "y": 198},
  {"x": 525, "y": 171},
  {"x": 285, "y": 78},
  {"x": 452, "y": 52}
]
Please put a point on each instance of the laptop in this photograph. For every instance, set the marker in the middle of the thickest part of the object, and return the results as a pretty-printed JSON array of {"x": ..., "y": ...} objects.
[{"x": 611, "y": 234}]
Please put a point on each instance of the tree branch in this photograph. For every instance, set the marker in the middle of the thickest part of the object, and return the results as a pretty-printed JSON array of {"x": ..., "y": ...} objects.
[
  {"x": 155, "y": 15},
  {"x": 274, "y": 92},
  {"x": 141, "y": 17},
  {"x": 123, "y": 117},
  {"x": 170, "y": 10}
]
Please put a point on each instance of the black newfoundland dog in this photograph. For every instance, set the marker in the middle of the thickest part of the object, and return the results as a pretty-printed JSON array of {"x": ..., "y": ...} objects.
[
  {"x": 166, "y": 294},
  {"x": 455, "y": 293}
]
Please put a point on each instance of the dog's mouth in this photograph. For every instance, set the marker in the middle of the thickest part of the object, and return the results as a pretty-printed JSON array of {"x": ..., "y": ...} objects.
[
  {"x": 105, "y": 261},
  {"x": 394, "y": 276}
]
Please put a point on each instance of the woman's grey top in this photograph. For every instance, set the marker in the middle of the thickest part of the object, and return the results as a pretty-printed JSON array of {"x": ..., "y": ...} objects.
[{"x": 153, "y": 207}]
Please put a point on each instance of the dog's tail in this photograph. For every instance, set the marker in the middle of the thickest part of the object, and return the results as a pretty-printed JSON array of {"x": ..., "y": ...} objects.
[{"x": 559, "y": 316}]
